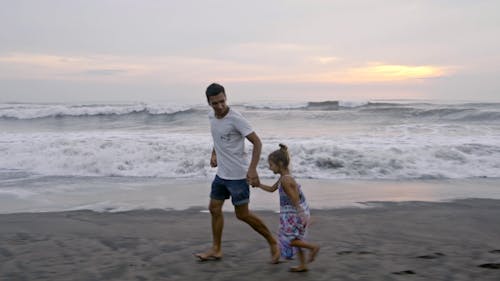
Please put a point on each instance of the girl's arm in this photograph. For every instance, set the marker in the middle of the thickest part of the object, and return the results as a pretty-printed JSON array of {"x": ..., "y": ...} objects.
[{"x": 269, "y": 188}]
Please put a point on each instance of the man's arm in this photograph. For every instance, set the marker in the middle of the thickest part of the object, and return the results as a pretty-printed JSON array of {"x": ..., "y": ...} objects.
[
  {"x": 213, "y": 159},
  {"x": 252, "y": 175}
]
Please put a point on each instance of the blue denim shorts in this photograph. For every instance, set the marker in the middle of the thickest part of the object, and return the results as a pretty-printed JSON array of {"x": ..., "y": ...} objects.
[{"x": 238, "y": 190}]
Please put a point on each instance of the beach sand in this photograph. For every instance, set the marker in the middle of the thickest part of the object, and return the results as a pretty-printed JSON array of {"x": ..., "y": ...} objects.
[{"x": 457, "y": 240}]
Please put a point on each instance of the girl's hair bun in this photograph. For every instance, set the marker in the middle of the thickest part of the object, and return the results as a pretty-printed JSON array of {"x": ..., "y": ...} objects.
[{"x": 283, "y": 147}]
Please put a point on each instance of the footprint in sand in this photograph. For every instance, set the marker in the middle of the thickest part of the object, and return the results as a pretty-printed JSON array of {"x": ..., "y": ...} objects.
[
  {"x": 431, "y": 256},
  {"x": 364, "y": 253},
  {"x": 490, "y": 265},
  {"x": 351, "y": 252},
  {"x": 344, "y": 253},
  {"x": 6, "y": 253},
  {"x": 404, "y": 272}
]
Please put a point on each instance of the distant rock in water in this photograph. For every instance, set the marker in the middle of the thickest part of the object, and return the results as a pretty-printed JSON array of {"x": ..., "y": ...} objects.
[
  {"x": 329, "y": 163},
  {"x": 323, "y": 105}
]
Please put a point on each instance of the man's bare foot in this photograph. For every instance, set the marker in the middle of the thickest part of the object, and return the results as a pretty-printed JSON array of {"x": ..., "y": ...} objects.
[
  {"x": 313, "y": 253},
  {"x": 209, "y": 256},
  {"x": 275, "y": 254},
  {"x": 299, "y": 268}
]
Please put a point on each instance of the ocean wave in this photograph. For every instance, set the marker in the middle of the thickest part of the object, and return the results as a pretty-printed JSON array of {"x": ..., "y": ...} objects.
[
  {"x": 393, "y": 110},
  {"x": 423, "y": 111},
  {"x": 273, "y": 106},
  {"x": 362, "y": 110},
  {"x": 38, "y": 111},
  {"x": 187, "y": 156},
  {"x": 312, "y": 105}
]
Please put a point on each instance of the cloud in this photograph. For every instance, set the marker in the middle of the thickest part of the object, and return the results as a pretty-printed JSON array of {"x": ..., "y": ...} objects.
[
  {"x": 325, "y": 60},
  {"x": 382, "y": 72},
  {"x": 307, "y": 68},
  {"x": 58, "y": 67},
  {"x": 104, "y": 72},
  {"x": 284, "y": 63},
  {"x": 272, "y": 54}
]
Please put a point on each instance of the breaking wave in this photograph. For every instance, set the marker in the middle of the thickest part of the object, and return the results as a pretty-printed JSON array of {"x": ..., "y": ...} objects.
[{"x": 187, "y": 156}]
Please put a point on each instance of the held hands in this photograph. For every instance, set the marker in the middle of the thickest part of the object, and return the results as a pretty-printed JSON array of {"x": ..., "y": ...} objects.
[{"x": 253, "y": 178}]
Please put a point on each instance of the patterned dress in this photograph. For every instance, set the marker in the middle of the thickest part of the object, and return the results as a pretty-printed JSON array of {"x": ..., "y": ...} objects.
[{"x": 291, "y": 226}]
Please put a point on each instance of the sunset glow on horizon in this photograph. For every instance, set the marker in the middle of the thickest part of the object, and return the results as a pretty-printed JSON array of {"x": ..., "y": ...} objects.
[
  {"x": 114, "y": 68},
  {"x": 318, "y": 45},
  {"x": 391, "y": 72}
]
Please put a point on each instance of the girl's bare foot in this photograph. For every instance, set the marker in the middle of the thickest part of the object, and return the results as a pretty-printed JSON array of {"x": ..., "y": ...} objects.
[
  {"x": 313, "y": 254},
  {"x": 298, "y": 268}
]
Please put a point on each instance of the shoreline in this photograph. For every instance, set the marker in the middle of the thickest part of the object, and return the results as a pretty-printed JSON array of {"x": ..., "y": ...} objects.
[
  {"x": 125, "y": 194},
  {"x": 416, "y": 240}
]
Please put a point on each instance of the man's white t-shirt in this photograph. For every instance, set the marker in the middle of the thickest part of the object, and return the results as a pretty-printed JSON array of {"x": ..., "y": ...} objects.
[{"x": 229, "y": 135}]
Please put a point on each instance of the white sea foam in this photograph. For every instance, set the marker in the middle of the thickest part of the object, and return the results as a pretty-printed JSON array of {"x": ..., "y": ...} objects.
[
  {"x": 356, "y": 141},
  {"x": 398, "y": 152},
  {"x": 106, "y": 154},
  {"x": 33, "y": 111}
]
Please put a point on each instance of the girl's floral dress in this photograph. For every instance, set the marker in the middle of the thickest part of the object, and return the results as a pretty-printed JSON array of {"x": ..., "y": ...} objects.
[{"x": 291, "y": 225}]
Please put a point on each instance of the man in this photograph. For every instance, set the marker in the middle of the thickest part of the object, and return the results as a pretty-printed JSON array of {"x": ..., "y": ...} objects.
[{"x": 229, "y": 130}]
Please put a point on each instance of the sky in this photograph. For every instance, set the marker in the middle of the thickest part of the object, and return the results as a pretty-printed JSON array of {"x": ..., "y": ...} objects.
[{"x": 280, "y": 50}]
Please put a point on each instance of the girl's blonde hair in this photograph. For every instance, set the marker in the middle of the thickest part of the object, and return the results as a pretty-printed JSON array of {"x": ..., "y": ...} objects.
[{"x": 280, "y": 156}]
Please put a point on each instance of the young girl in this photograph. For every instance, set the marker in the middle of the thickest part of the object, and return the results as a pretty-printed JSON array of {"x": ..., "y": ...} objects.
[{"x": 294, "y": 211}]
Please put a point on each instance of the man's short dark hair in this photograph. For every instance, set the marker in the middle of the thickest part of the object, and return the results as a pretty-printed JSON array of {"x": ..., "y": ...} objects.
[{"x": 214, "y": 89}]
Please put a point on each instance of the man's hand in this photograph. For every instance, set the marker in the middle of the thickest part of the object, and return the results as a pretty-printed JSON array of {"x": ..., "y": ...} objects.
[
  {"x": 213, "y": 161},
  {"x": 255, "y": 182},
  {"x": 253, "y": 178}
]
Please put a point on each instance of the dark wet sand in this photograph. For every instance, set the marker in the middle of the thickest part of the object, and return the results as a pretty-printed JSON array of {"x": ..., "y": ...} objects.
[{"x": 399, "y": 241}]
